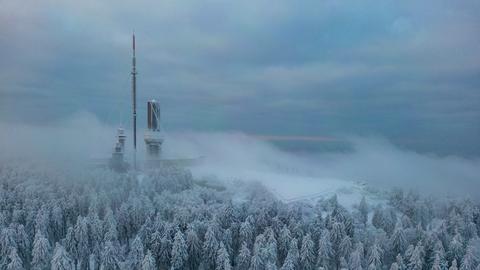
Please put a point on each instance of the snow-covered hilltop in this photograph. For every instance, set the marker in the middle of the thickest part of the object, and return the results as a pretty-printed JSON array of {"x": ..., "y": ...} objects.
[{"x": 169, "y": 220}]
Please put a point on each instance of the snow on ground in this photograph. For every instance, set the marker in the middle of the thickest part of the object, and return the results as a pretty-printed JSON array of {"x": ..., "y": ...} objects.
[
  {"x": 290, "y": 176},
  {"x": 291, "y": 187}
]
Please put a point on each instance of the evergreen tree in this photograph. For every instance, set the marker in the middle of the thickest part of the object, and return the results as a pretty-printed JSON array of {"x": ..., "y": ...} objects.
[
  {"x": 389, "y": 220},
  {"x": 438, "y": 255},
  {"x": 400, "y": 262},
  {"x": 398, "y": 240},
  {"x": 148, "y": 262},
  {"x": 288, "y": 264},
  {"x": 325, "y": 251},
  {"x": 454, "y": 265},
  {"x": 7, "y": 242},
  {"x": 60, "y": 259},
  {"x": 246, "y": 233},
  {"x": 227, "y": 216},
  {"x": 284, "y": 242},
  {"x": 343, "y": 264},
  {"x": 394, "y": 266},
  {"x": 194, "y": 249},
  {"x": 336, "y": 235},
  {"x": 378, "y": 217},
  {"x": 93, "y": 261},
  {"x": 356, "y": 258},
  {"x": 210, "y": 247},
  {"x": 243, "y": 258},
  {"x": 42, "y": 221},
  {"x": 259, "y": 258},
  {"x": 223, "y": 259},
  {"x": 416, "y": 261},
  {"x": 257, "y": 262},
  {"x": 81, "y": 237},
  {"x": 41, "y": 252},
  {"x": 95, "y": 234},
  {"x": 110, "y": 227},
  {"x": 124, "y": 224},
  {"x": 307, "y": 253},
  {"x": 228, "y": 241},
  {"x": 15, "y": 263},
  {"x": 271, "y": 248},
  {"x": 155, "y": 245},
  {"x": 469, "y": 259},
  {"x": 164, "y": 254},
  {"x": 375, "y": 257},
  {"x": 23, "y": 243},
  {"x": 345, "y": 247},
  {"x": 437, "y": 264},
  {"x": 409, "y": 253},
  {"x": 135, "y": 256},
  {"x": 455, "y": 249},
  {"x": 179, "y": 252},
  {"x": 109, "y": 259},
  {"x": 292, "y": 260},
  {"x": 70, "y": 244},
  {"x": 363, "y": 210},
  {"x": 270, "y": 266}
]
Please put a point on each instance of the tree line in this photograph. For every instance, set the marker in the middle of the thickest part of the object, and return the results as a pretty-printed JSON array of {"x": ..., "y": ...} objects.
[{"x": 166, "y": 219}]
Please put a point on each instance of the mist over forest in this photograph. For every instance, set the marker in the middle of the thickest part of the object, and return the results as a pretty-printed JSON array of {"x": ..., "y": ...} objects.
[
  {"x": 79, "y": 140},
  {"x": 270, "y": 135},
  {"x": 247, "y": 205}
]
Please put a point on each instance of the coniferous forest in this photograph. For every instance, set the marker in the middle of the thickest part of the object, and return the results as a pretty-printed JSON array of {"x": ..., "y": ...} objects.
[{"x": 166, "y": 219}]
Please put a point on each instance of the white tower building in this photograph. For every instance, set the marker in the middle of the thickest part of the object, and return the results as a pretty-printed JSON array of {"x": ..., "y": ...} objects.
[
  {"x": 117, "y": 162},
  {"x": 153, "y": 135},
  {"x": 121, "y": 137}
]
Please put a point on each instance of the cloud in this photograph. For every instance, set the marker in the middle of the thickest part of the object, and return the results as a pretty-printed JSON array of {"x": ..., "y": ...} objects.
[
  {"x": 404, "y": 70},
  {"x": 77, "y": 139},
  {"x": 83, "y": 141},
  {"x": 373, "y": 161}
]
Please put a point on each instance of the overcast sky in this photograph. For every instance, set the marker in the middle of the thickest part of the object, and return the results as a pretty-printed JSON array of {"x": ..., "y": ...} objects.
[{"x": 405, "y": 70}]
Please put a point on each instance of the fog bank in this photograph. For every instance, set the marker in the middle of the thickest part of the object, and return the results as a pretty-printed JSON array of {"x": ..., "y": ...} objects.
[{"x": 231, "y": 156}]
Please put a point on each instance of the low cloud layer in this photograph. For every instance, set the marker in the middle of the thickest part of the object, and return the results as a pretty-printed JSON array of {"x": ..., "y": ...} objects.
[
  {"x": 405, "y": 70},
  {"x": 231, "y": 156},
  {"x": 373, "y": 161}
]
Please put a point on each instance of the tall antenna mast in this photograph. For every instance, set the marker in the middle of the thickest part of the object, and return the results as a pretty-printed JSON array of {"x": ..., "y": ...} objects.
[{"x": 134, "y": 99}]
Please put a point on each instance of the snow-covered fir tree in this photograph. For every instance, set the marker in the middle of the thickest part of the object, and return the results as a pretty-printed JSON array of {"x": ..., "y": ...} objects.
[
  {"x": 164, "y": 252},
  {"x": 169, "y": 220},
  {"x": 363, "y": 211},
  {"x": 194, "y": 249},
  {"x": 394, "y": 266},
  {"x": 470, "y": 259},
  {"x": 179, "y": 252},
  {"x": 307, "y": 253},
  {"x": 454, "y": 265},
  {"x": 148, "y": 262},
  {"x": 135, "y": 255},
  {"x": 41, "y": 253},
  {"x": 325, "y": 251},
  {"x": 356, "y": 259},
  {"x": 375, "y": 257},
  {"x": 210, "y": 247},
  {"x": 110, "y": 260},
  {"x": 61, "y": 259},
  {"x": 292, "y": 261},
  {"x": 243, "y": 258},
  {"x": 14, "y": 261},
  {"x": 223, "y": 259}
]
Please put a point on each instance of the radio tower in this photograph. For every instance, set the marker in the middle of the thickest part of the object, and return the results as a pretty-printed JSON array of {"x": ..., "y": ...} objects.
[
  {"x": 134, "y": 99},
  {"x": 153, "y": 135}
]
